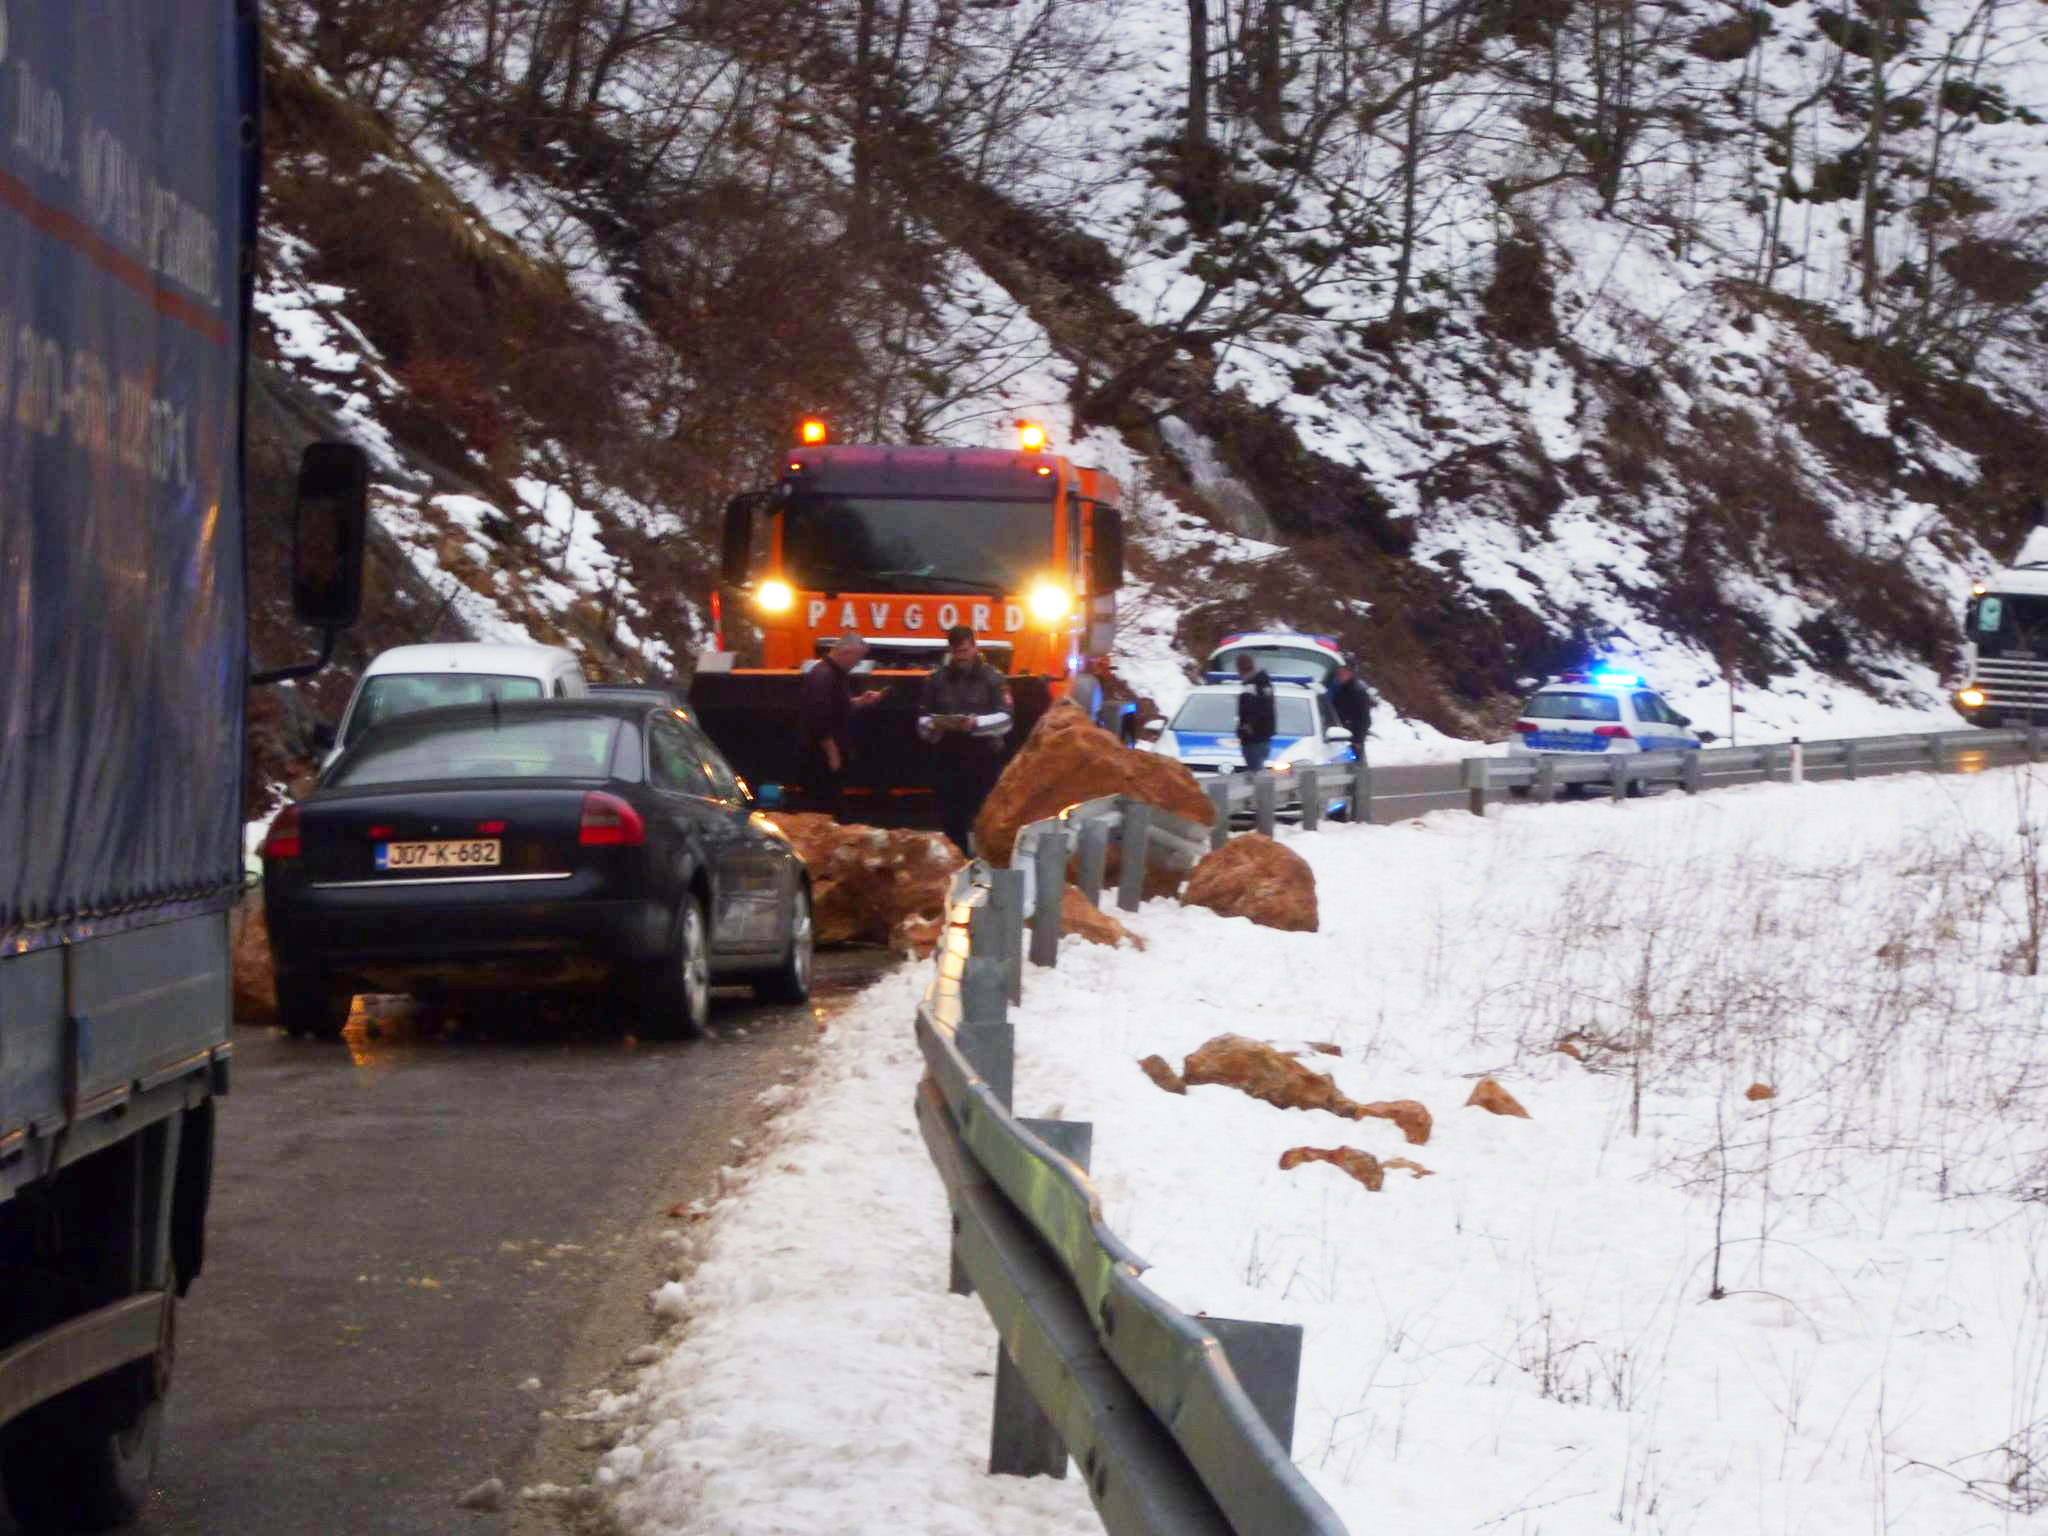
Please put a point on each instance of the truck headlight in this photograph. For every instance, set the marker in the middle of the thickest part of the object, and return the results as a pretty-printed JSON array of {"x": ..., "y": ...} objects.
[
  {"x": 775, "y": 597},
  {"x": 1971, "y": 698},
  {"x": 1050, "y": 602}
]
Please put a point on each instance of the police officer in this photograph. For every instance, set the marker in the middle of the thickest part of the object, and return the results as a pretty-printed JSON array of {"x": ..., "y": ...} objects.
[
  {"x": 964, "y": 713},
  {"x": 1351, "y": 702},
  {"x": 1256, "y": 715}
]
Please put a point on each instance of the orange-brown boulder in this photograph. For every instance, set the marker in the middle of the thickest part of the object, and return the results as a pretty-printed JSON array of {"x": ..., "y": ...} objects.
[
  {"x": 1155, "y": 1067},
  {"x": 1325, "y": 1048},
  {"x": 866, "y": 880},
  {"x": 1066, "y": 760},
  {"x": 1490, "y": 1096},
  {"x": 1565, "y": 1047},
  {"x": 1079, "y": 915},
  {"x": 1411, "y": 1165},
  {"x": 1412, "y": 1118},
  {"x": 255, "y": 989},
  {"x": 1268, "y": 1073},
  {"x": 1362, "y": 1166},
  {"x": 1253, "y": 876},
  {"x": 1759, "y": 1091}
]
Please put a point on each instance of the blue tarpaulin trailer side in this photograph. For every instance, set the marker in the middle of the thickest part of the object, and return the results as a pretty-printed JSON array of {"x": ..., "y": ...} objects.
[
  {"x": 125, "y": 212},
  {"x": 128, "y": 176}
]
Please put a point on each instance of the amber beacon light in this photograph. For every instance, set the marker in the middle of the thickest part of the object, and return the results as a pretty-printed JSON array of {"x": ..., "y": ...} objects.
[
  {"x": 812, "y": 432},
  {"x": 1030, "y": 436}
]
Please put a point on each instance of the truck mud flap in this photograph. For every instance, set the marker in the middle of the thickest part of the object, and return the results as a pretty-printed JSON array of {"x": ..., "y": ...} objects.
[{"x": 87, "y": 1346}]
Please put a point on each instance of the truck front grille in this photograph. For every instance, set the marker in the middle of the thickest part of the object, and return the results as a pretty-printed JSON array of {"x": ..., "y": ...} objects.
[{"x": 2008, "y": 684}]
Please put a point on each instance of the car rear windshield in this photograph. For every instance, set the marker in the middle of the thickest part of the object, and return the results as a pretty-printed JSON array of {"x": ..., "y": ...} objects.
[
  {"x": 561, "y": 747},
  {"x": 403, "y": 693},
  {"x": 1277, "y": 662},
  {"x": 1572, "y": 706},
  {"x": 1216, "y": 713}
]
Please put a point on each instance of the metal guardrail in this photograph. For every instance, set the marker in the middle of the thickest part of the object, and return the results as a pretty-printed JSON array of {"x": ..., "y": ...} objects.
[
  {"x": 1181, "y": 1425},
  {"x": 1357, "y": 792},
  {"x": 1626, "y": 774}
]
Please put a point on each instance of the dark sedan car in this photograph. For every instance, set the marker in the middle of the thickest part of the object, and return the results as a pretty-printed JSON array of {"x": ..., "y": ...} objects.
[{"x": 587, "y": 843}]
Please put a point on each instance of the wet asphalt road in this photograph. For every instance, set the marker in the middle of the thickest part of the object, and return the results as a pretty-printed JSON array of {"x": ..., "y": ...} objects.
[{"x": 408, "y": 1226}]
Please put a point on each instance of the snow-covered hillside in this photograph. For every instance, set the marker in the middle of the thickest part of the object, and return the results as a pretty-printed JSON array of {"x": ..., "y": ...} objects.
[
  {"x": 1766, "y": 1254},
  {"x": 1485, "y": 336}
]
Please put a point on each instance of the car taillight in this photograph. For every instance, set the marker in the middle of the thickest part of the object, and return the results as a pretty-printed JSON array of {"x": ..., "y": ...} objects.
[
  {"x": 1527, "y": 727},
  {"x": 1615, "y": 732},
  {"x": 608, "y": 822},
  {"x": 283, "y": 841}
]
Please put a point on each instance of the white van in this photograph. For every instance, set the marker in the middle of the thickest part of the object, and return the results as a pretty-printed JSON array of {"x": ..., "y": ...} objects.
[{"x": 413, "y": 677}]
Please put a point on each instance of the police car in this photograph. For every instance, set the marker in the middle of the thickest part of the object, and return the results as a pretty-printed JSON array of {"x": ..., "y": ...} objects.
[
  {"x": 1202, "y": 735},
  {"x": 1588, "y": 714}
]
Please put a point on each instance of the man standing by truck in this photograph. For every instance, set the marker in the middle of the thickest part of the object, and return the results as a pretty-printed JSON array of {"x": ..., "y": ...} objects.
[
  {"x": 825, "y": 708},
  {"x": 964, "y": 714}
]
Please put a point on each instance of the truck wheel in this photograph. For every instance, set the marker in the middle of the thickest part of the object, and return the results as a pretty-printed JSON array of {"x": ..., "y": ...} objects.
[
  {"x": 790, "y": 982},
  {"x": 311, "y": 1006},
  {"x": 677, "y": 1002},
  {"x": 84, "y": 1461}
]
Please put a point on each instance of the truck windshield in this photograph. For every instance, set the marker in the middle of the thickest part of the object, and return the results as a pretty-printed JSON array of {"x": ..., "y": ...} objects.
[
  {"x": 2007, "y": 625},
  {"x": 915, "y": 544}
]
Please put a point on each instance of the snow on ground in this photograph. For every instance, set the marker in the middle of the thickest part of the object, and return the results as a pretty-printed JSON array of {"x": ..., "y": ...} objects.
[
  {"x": 1530, "y": 1338},
  {"x": 823, "y": 1380}
]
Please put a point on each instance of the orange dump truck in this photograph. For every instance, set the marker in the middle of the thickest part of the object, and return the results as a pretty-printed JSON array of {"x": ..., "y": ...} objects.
[{"x": 899, "y": 544}]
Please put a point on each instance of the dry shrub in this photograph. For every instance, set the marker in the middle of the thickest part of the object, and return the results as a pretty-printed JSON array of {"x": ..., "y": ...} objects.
[
  {"x": 1520, "y": 301},
  {"x": 1730, "y": 39}
]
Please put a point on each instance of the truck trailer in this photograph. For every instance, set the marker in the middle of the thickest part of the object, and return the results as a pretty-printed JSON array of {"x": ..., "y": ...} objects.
[
  {"x": 128, "y": 183},
  {"x": 900, "y": 544}
]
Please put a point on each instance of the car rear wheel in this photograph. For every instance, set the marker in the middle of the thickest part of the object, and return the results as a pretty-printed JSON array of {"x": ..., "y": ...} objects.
[
  {"x": 678, "y": 1002},
  {"x": 311, "y": 1006},
  {"x": 791, "y": 981}
]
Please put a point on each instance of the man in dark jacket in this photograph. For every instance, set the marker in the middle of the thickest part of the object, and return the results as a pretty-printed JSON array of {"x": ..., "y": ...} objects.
[
  {"x": 1256, "y": 715},
  {"x": 825, "y": 705},
  {"x": 1351, "y": 703},
  {"x": 965, "y": 714}
]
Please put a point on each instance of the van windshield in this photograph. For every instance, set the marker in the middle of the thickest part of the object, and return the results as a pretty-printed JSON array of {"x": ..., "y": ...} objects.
[{"x": 404, "y": 693}]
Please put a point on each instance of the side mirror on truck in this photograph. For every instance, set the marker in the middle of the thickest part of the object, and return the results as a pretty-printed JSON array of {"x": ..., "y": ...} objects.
[
  {"x": 736, "y": 549},
  {"x": 330, "y": 531},
  {"x": 1106, "y": 573},
  {"x": 330, "y": 521}
]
